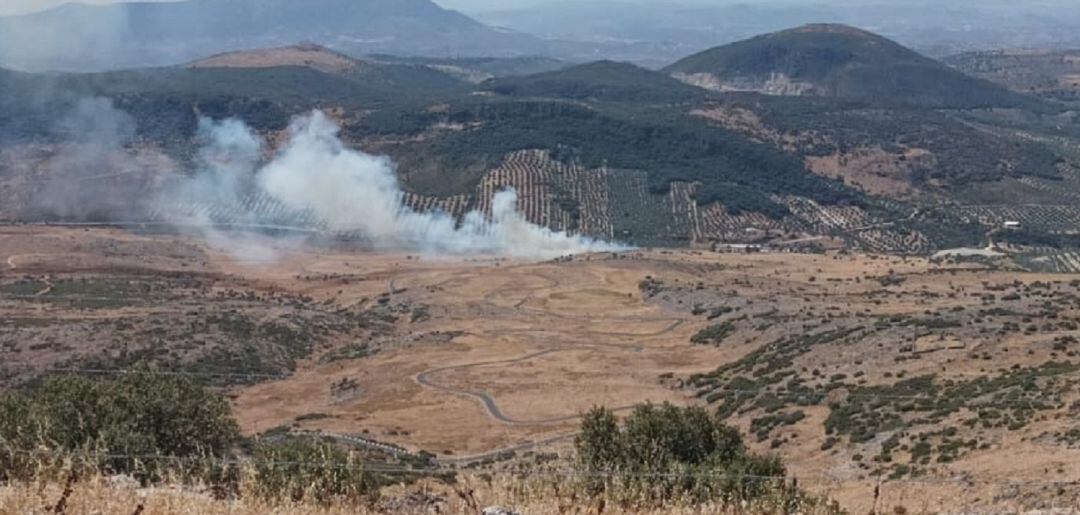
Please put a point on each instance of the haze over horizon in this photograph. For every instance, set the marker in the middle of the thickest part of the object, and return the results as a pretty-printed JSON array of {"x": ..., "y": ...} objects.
[
  {"x": 15, "y": 7},
  {"x": 28, "y": 6},
  {"x": 10, "y": 7}
]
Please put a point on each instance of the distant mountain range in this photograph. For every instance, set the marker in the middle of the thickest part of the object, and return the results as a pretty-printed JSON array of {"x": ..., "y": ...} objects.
[
  {"x": 675, "y": 29},
  {"x": 77, "y": 37},
  {"x": 90, "y": 38}
]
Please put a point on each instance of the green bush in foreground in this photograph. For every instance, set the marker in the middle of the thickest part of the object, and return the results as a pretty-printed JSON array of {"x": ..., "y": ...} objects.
[
  {"x": 661, "y": 453},
  {"x": 140, "y": 423},
  {"x": 169, "y": 430},
  {"x": 307, "y": 471},
  {"x": 164, "y": 429}
]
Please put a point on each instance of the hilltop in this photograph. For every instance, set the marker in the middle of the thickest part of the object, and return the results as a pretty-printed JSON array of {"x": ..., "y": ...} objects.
[
  {"x": 308, "y": 55},
  {"x": 839, "y": 61}
]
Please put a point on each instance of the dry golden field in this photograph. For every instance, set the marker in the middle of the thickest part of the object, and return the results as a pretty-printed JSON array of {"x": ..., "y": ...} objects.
[{"x": 942, "y": 387}]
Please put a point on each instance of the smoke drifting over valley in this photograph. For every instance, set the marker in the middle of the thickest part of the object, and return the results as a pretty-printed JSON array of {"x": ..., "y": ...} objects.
[
  {"x": 96, "y": 171},
  {"x": 348, "y": 192}
]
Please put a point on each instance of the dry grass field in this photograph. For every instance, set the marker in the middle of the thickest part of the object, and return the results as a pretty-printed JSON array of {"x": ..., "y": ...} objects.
[
  {"x": 942, "y": 387},
  {"x": 110, "y": 495}
]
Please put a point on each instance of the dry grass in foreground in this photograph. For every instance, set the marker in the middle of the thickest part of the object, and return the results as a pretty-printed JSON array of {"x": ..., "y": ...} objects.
[{"x": 119, "y": 495}]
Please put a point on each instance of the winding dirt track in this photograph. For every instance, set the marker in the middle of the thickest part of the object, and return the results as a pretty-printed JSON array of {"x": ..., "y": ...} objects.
[
  {"x": 12, "y": 259},
  {"x": 489, "y": 403},
  {"x": 492, "y": 407}
]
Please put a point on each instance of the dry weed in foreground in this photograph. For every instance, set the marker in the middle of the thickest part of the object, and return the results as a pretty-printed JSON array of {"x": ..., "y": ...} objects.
[{"x": 104, "y": 495}]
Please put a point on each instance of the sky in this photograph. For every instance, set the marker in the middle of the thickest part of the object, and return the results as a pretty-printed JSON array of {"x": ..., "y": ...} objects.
[{"x": 24, "y": 6}]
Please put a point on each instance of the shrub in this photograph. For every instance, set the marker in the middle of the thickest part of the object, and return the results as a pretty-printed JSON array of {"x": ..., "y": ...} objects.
[
  {"x": 666, "y": 452},
  {"x": 310, "y": 471},
  {"x": 714, "y": 334},
  {"x": 134, "y": 423}
]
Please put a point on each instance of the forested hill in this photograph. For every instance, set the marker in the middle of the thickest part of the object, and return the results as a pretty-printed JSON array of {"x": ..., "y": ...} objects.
[
  {"x": 841, "y": 62},
  {"x": 610, "y": 149}
]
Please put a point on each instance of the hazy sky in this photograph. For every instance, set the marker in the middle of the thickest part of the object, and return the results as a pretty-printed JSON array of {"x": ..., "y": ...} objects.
[{"x": 23, "y": 6}]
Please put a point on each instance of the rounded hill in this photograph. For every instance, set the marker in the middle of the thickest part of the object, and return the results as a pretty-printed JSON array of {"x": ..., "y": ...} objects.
[{"x": 839, "y": 61}]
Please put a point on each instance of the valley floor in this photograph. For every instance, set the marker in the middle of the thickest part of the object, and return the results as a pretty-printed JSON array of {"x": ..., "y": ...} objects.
[{"x": 468, "y": 359}]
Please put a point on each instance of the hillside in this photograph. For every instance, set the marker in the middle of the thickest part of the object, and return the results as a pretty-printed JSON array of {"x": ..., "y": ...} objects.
[
  {"x": 397, "y": 81},
  {"x": 165, "y": 103},
  {"x": 605, "y": 149},
  {"x": 603, "y": 81},
  {"x": 305, "y": 55},
  {"x": 840, "y": 62},
  {"x": 888, "y": 384},
  {"x": 479, "y": 69}
]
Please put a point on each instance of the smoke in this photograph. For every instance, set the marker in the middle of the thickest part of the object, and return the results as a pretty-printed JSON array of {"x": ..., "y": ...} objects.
[
  {"x": 94, "y": 173},
  {"x": 228, "y": 154},
  {"x": 355, "y": 193}
]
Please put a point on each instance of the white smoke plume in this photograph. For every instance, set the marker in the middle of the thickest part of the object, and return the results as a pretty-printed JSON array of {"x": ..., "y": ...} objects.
[
  {"x": 94, "y": 172},
  {"x": 229, "y": 153},
  {"x": 353, "y": 192}
]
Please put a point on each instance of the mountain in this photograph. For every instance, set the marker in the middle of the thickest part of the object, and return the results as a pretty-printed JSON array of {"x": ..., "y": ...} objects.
[
  {"x": 839, "y": 61},
  {"x": 83, "y": 37},
  {"x": 602, "y": 81}
]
